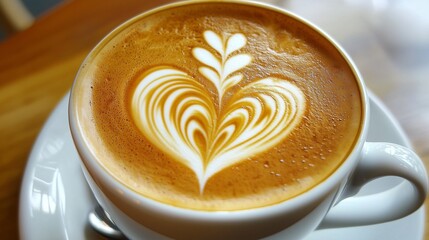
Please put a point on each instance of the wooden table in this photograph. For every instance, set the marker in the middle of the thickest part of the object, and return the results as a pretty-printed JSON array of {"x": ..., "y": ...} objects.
[{"x": 38, "y": 65}]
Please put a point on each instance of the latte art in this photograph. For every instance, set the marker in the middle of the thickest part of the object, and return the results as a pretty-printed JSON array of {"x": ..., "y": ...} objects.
[
  {"x": 218, "y": 71},
  {"x": 218, "y": 106},
  {"x": 176, "y": 114}
]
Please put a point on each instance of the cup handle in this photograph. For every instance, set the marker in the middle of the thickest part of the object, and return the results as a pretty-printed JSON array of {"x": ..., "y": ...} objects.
[{"x": 380, "y": 159}]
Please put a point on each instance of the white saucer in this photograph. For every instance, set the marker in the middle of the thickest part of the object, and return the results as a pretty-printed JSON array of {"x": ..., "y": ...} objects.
[{"x": 55, "y": 200}]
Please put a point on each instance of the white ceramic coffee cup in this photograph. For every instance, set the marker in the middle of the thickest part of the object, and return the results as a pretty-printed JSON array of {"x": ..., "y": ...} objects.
[{"x": 331, "y": 202}]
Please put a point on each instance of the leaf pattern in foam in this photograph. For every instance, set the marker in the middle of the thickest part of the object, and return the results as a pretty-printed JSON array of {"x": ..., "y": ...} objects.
[
  {"x": 235, "y": 42},
  {"x": 207, "y": 58},
  {"x": 176, "y": 113},
  {"x": 226, "y": 65},
  {"x": 235, "y": 63},
  {"x": 214, "y": 41}
]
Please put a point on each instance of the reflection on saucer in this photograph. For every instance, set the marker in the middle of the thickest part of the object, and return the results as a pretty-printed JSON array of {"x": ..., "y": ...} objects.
[{"x": 55, "y": 200}]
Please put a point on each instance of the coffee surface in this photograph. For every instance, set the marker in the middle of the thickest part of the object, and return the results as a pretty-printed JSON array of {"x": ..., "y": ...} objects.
[{"x": 219, "y": 107}]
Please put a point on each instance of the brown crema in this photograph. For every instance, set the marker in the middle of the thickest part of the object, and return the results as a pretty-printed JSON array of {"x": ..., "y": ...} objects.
[{"x": 280, "y": 47}]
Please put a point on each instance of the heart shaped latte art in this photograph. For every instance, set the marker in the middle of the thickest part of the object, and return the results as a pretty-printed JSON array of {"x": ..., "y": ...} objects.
[{"x": 176, "y": 113}]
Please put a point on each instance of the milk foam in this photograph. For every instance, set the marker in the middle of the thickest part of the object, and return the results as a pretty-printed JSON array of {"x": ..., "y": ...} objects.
[
  {"x": 156, "y": 162},
  {"x": 175, "y": 112},
  {"x": 218, "y": 71}
]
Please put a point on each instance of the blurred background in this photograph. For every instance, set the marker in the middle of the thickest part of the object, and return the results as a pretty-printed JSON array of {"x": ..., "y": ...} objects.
[{"x": 19, "y": 14}]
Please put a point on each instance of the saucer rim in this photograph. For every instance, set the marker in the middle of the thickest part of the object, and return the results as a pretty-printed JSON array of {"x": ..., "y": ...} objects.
[{"x": 26, "y": 184}]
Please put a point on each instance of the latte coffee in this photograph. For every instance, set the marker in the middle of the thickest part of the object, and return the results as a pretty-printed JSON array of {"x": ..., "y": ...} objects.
[{"x": 218, "y": 106}]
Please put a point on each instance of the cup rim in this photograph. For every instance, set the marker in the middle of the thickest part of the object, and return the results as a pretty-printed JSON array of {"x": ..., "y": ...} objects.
[{"x": 102, "y": 176}]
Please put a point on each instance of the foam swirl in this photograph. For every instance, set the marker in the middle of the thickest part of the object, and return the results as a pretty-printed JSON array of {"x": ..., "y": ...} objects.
[{"x": 175, "y": 113}]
